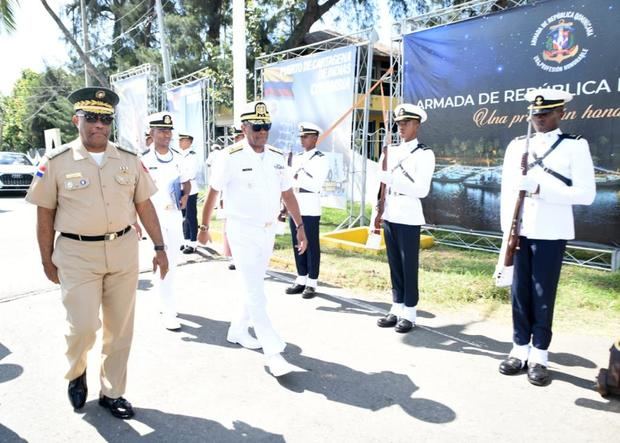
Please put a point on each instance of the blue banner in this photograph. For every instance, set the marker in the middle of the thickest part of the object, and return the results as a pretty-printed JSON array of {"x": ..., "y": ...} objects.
[
  {"x": 317, "y": 88},
  {"x": 471, "y": 78}
]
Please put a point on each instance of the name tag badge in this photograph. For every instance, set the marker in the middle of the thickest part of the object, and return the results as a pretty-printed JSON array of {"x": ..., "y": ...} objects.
[
  {"x": 74, "y": 184},
  {"x": 246, "y": 169},
  {"x": 278, "y": 166}
]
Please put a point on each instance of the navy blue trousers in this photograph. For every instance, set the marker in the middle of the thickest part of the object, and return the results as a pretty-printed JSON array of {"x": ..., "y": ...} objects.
[
  {"x": 190, "y": 219},
  {"x": 537, "y": 266},
  {"x": 309, "y": 262},
  {"x": 403, "y": 250}
]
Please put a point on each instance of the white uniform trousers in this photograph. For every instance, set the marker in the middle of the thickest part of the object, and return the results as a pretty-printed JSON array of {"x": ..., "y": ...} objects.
[
  {"x": 171, "y": 222},
  {"x": 251, "y": 248}
]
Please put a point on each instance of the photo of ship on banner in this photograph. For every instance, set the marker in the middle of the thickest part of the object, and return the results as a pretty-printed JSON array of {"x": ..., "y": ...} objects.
[{"x": 471, "y": 78}]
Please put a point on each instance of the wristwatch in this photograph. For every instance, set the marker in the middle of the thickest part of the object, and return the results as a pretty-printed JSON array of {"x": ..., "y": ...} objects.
[
  {"x": 160, "y": 247},
  {"x": 203, "y": 228}
]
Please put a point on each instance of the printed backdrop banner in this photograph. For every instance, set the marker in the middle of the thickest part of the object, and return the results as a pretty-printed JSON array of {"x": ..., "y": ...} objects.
[
  {"x": 185, "y": 105},
  {"x": 131, "y": 111},
  {"x": 317, "y": 88},
  {"x": 471, "y": 77}
]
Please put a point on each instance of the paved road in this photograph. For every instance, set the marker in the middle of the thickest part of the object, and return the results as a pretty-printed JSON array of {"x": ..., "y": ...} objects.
[{"x": 360, "y": 384}]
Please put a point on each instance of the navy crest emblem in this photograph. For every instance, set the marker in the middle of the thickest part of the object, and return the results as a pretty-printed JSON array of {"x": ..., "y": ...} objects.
[{"x": 561, "y": 41}]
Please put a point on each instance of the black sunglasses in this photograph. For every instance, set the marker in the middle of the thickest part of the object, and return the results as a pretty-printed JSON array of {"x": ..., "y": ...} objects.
[
  {"x": 91, "y": 117},
  {"x": 260, "y": 126}
]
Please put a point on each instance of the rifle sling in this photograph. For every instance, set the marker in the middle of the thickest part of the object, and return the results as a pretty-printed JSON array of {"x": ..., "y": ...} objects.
[{"x": 539, "y": 162}]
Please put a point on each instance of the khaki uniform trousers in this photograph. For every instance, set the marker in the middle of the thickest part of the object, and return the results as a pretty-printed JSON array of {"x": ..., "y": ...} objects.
[{"x": 94, "y": 275}]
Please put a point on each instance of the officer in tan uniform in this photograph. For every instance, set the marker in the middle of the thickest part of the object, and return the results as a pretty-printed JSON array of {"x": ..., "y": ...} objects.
[{"x": 89, "y": 191}]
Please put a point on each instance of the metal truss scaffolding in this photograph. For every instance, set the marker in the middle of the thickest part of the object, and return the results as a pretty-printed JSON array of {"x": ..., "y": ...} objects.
[
  {"x": 587, "y": 255},
  {"x": 208, "y": 102},
  {"x": 152, "y": 72},
  {"x": 362, "y": 41}
]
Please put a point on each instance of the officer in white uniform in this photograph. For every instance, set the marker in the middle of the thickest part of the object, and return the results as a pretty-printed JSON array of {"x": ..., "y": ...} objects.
[
  {"x": 310, "y": 169},
  {"x": 166, "y": 168},
  {"x": 560, "y": 174},
  {"x": 408, "y": 179},
  {"x": 191, "y": 166},
  {"x": 254, "y": 177}
]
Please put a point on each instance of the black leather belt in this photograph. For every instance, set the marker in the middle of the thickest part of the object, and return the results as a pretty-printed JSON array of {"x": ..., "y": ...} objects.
[{"x": 110, "y": 236}]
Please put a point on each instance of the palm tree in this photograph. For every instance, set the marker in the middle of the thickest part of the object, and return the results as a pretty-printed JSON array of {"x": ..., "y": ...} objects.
[{"x": 7, "y": 17}]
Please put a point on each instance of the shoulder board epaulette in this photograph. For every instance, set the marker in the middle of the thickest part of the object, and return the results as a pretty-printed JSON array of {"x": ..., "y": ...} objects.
[
  {"x": 234, "y": 149},
  {"x": 423, "y": 146},
  {"x": 127, "y": 150},
  {"x": 319, "y": 154},
  {"x": 277, "y": 151},
  {"x": 56, "y": 152},
  {"x": 572, "y": 136},
  {"x": 174, "y": 150},
  {"x": 192, "y": 152},
  {"x": 145, "y": 152}
]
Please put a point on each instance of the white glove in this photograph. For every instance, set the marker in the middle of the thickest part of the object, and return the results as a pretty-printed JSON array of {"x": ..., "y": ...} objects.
[
  {"x": 527, "y": 183},
  {"x": 386, "y": 177}
]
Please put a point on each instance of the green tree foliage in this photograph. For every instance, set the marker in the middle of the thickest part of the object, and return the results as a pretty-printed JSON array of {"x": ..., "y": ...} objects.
[
  {"x": 7, "y": 15},
  {"x": 38, "y": 102}
]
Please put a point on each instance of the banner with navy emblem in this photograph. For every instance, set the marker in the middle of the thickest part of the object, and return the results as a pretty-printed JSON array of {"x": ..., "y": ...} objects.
[
  {"x": 471, "y": 78},
  {"x": 317, "y": 88}
]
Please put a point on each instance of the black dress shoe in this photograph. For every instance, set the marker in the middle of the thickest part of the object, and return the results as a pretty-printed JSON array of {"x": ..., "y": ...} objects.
[
  {"x": 78, "y": 391},
  {"x": 231, "y": 267},
  {"x": 295, "y": 289},
  {"x": 403, "y": 326},
  {"x": 189, "y": 250},
  {"x": 182, "y": 247},
  {"x": 119, "y": 407},
  {"x": 538, "y": 375},
  {"x": 309, "y": 292},
  {"x": 511, "y": 366},
  {"x": 389, "y": 321}
]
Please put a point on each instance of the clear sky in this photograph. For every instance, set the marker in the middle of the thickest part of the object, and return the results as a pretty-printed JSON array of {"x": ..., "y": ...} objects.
[{"x": 38, "y": 42}]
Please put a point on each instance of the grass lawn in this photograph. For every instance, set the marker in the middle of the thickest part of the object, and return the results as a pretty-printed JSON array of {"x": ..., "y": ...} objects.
[{"x": 458, "y": 279}]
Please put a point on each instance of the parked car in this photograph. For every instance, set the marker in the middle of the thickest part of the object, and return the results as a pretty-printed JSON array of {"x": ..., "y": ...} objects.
[{"x": 16, "y": 171}]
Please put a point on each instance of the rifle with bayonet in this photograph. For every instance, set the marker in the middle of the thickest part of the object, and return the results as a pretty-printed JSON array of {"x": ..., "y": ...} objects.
[
  {"x": 510, "y": 243},
  {"x": 381, "y": 195}
]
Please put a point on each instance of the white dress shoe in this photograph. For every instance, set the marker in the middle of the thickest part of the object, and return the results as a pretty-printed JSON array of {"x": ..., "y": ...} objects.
[
  {"x": 170, "y": 322},
  {"x": 279, "y": 366},
  {"x": 245, "y": 340}
]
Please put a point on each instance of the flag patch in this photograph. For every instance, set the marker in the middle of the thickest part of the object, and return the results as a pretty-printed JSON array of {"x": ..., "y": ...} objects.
[{"x": 41, "y": 171}]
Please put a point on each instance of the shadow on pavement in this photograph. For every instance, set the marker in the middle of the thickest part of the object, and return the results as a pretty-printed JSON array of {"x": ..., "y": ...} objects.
[
  {"x": 152, "y": 425},
  {"x": 453, "y": 338},
  {"x": 8, "y": 371},
  {"x": 9, "y": 436},
  {"x": 145, "y": 284},
  {"x": 350, "y": 307},
  {"x": 210, "y": 332},
  {"x": 610, "y": 405},
  {"x": 372, "y": 391}
]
